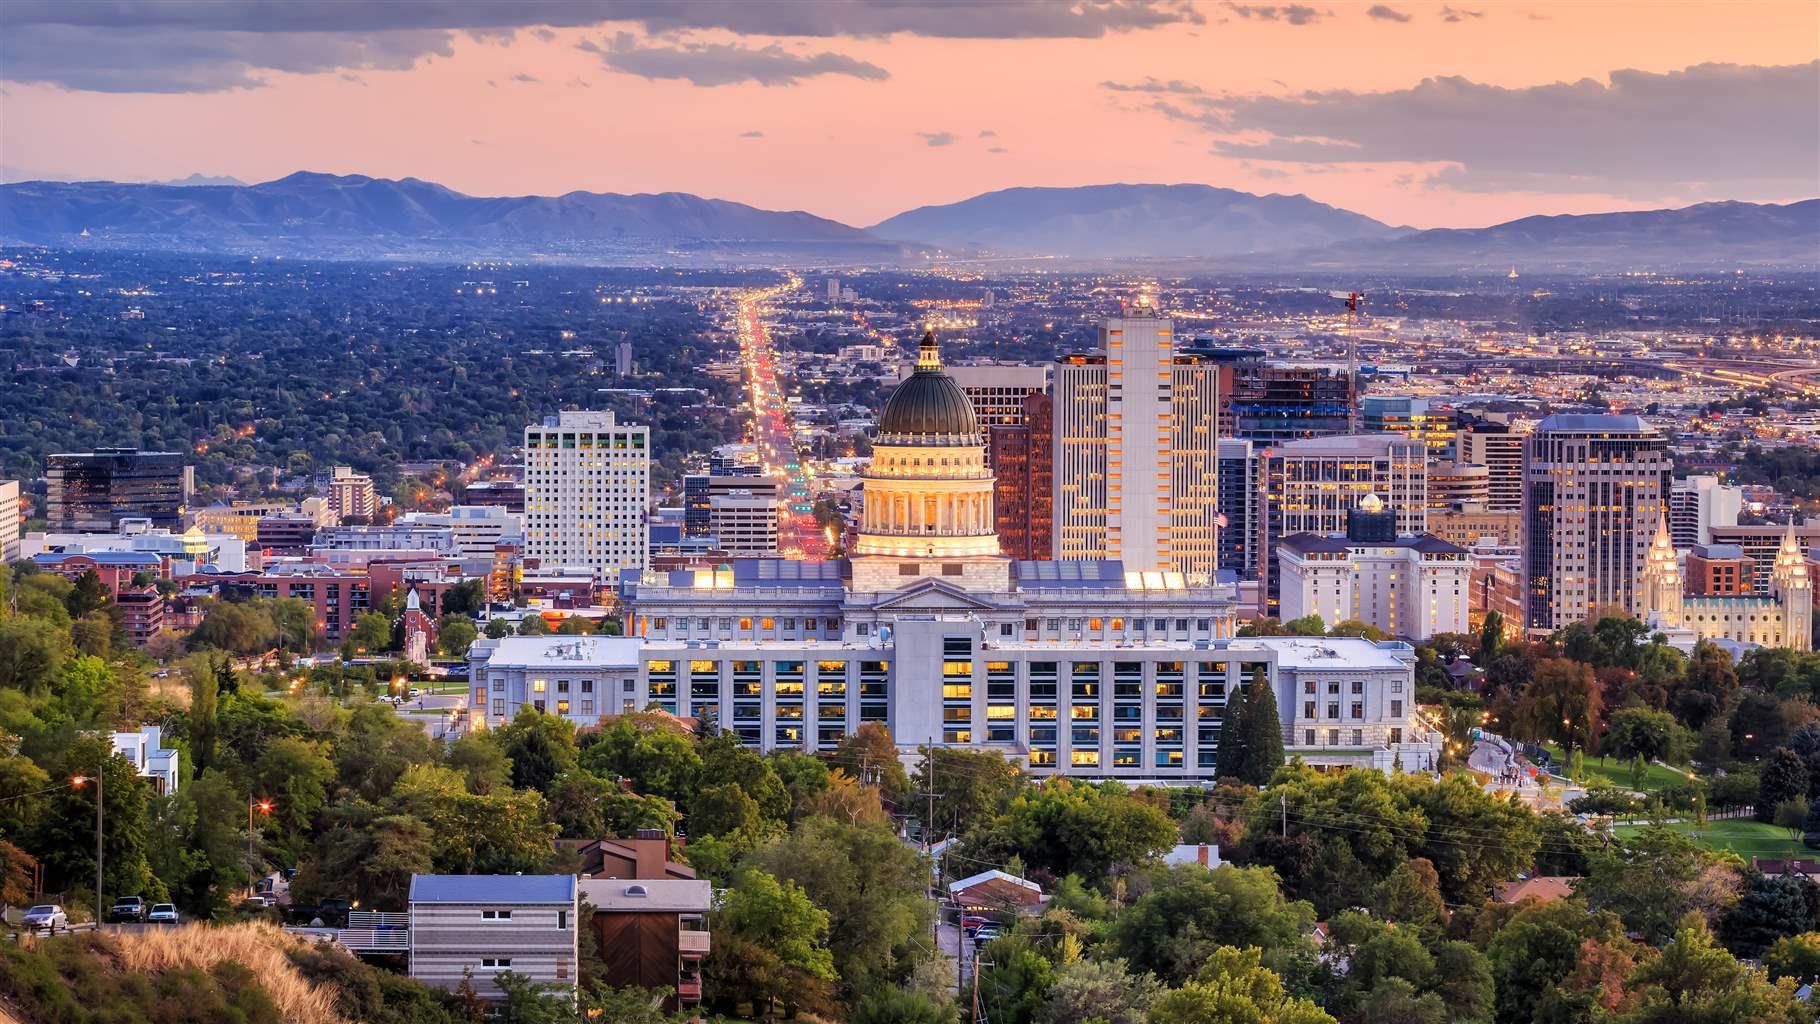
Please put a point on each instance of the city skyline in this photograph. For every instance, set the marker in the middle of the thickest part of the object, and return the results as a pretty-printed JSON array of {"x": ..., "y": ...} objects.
[{"x": 1417, "y": 114}]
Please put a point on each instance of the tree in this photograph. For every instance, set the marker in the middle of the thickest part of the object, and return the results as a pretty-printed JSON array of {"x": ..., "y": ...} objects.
[
  {"x": 869, "y": 754},
  {"x": 1064, "y": 827},
  {"x": 1263, "y": 728},
  {"x": 895, "y": 1006},
  {"x": 724, "y": 759},
  {"x": 769, "y": 945},
  {"x": 1190, "y": 911},
  {"x": 65, "y": 838},
  {"x": 295, "y": 775},
  {"x": 586, "y": 806},
  {"x": 455, "y": 634},
  {"x": 1353, "y": 627},
  {"x": 1783, "y": 777},
  {"x": 1098, "y": 992},
  {"x": 1539, "y": 947},
  {"x": 1411, "y": 896},
  {"x": 533, "y": 625},
  {"x": 969, "y": 786},
  {"x": 1307, "y": 625},
  {"x": 465, "y": 599},
  {"x": 479, "y": 835},
  {"x": 1791, "y": 814},
  {"x": 648, "y": 751},
  {"x": 203, "y": 725},
  {"x": 375, "y": 749},
  {"x": 1462, "y": 978},
  {"x": 1651, "y": 880},
  {"x": 88, "y": 595},
  {"x": 1230, "y": 759},
  {"x": 481, "y": 762},
  {"x": 1695, "y": 980},
  {"x": 1794, "y": 956},
  {"x": 1561, "y": 703},
  {"x": 1234, "y": 986},
  {"x": 1771, "y": 907},
  {"x": 32, "y": 652},
  {"x": 724, "y": 810},
  {"x": 1491, "y": 637},
  {"x": 540, "y": 747},
  {"x": 372, "y": 634},
  {"x": 1646, "y": 735},
  {"x": 498, "y": 629}
]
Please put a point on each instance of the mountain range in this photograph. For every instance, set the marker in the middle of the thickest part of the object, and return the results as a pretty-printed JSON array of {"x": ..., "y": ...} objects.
[{"x": 354, "y": 216}]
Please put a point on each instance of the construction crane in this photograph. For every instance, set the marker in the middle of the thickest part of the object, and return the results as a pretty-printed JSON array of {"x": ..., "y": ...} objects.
[{"x": 1355, "y": 302}]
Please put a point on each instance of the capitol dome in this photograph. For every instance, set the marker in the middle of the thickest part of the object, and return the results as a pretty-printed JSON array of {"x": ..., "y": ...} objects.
[{"x": 929, "y": 408}]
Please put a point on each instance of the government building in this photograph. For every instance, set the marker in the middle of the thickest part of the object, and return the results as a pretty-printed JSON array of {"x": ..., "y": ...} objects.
[{"x": 1081, "y": 668}]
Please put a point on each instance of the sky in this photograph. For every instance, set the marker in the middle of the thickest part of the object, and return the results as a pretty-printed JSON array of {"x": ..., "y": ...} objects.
[{"x": 1423, "y": 114}]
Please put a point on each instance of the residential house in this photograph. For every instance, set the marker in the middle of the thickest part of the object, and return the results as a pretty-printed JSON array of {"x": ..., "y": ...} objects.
[
  {"x": 481, "y": 926},
  {"x": 996, "y": 891},
  {"x": 146, "y": 752},
  {"x": 652, "y": 932}
]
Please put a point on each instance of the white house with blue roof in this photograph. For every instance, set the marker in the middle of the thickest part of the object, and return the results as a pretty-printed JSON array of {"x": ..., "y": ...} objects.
[{"x": 477, "y": 927}]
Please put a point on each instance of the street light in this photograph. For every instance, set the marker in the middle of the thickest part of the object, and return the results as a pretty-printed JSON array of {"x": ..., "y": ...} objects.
[
  {"x": 100, "y": 792},
  {"x": 263, "y": 807}
]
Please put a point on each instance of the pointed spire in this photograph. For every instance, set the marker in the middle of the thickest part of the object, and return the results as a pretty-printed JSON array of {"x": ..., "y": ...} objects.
[
  {"x": 1662, "y": 539},
  {"x": 411, "y": 603},
  {"x": 929, "y": 353}
]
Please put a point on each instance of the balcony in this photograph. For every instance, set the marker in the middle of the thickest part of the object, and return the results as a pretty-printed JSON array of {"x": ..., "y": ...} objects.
[
  {"x": 688, "y": 990},
  {"x": 692, "y": 943}
]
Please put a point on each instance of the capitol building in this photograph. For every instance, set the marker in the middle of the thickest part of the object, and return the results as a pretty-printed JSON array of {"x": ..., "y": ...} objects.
[{"x": 1077, "y": 668}]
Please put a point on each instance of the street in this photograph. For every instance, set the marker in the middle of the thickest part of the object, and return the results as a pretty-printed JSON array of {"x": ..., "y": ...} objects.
[{"x": 799, "y": 536}]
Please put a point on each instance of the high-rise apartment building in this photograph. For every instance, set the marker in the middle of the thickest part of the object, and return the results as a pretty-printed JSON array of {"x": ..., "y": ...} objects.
[
  {"x": 1021, "y": 456},
  {"x": 1490, "y": 442},
  {"x": 1241, "y": 506},
  {"x": 1310, "y": 486},
  {"x": 1696, "y": 505},
  {"x": 1270, "y": 404},
  {"x": 9, "y": 520},
  {"x": 834, "y": 291},
  {"x": 587, "y": 486},
  {"x": 1410, "y": 417},
  {"x": 1135, "y": 457},
  {"x": 1594, "y": 489},
  {"x": 91, "y": 492},
  {"x": 351, "y": 495}
]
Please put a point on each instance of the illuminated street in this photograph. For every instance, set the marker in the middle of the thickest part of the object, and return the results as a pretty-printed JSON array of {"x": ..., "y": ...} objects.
[{"x": 798, "y": 534}]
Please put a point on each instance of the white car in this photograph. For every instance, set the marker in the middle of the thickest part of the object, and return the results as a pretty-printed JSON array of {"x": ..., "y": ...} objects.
[
  {"x": 45, "y": 917},
  {"x": 162, "y": 913}
]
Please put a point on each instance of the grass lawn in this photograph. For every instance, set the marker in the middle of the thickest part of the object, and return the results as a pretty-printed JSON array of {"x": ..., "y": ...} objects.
[
  {"x": 1655, "y": 776},
  {"x": 1745, "y": 837}
]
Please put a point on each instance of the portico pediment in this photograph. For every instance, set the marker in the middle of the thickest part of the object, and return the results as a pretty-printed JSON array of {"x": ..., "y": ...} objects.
[{"x": 931, "y": 595}]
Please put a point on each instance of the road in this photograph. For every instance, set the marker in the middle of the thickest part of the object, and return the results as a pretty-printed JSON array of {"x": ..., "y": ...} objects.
[
  {"x": 799, "y": 536},
  {"x": 443, "y": 708}
]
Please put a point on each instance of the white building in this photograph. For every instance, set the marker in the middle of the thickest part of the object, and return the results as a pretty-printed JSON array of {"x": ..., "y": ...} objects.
[
  {"x": 1135, "y": 456},
  {"x": 744, "y": 520},
  {"x": 1407, "y": 586},
  {"x": 9, "y": 521},
  {"x": 1696, "y": 504},
  {"x": 474, "y": 530},
  {"x": 1782, "y": 618},
  {"x": 146, "y": 752},
  {"x": 187, "y": 551},
  {"x": 579, "y": 678},
  {"x": 587, "y": 486}
]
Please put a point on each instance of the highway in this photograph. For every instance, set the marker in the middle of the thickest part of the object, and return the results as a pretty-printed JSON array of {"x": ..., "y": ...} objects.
[{"x": 799, "y": 537}]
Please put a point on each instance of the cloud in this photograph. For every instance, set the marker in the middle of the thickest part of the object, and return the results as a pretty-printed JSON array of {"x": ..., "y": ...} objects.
[
  {"x": 175, "y": 46},
  {"x": 1387, "y": 13},
  {"x": 1459, "y": 14},
  {"x": 1174, "y": 85},
  {"x": 1642, "y": 134},
  {"x": 1295, "y": 14},
  {"x": 987, "y": 133},
  {"x": 937, "y": 138},
  {"x": 753, "y": 134},
  {"x": 997, "y": 149},
  {"x": 524, "y": 77},
  {"x": 712, "y": 64}
]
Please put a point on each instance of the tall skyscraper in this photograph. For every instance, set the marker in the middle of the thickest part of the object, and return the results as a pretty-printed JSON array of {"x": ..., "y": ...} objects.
[
  {"x": 1023, "y": 470},
  {"x": 622, "y": 359},
  {"x": 587, "y": 487},
  {"x": 997, "y": 392},
  {"x": 1240, "y": 507},
  {"x": 1270, "y": 404},
  {"x": 91, "y": 492},
  {"x": 351, "y": 495},
  {"x": 1135, "y": 460},
  {"x": 9, "y": 520},
  {"x": 1595, "y": 487},
  {"x": 1410, "y": 417},
  {"x": 834, "y": 291},
  {"x": 1310, "y": 486},
  {"x": 1696, "y": 504},
  {"x": 1489, "y": 442}
]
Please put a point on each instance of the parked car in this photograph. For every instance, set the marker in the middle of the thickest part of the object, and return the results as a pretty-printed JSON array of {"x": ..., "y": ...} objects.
[
  {"x": 256, "y": 902},
  {"x": 127, "y": 908},
  {"x": 45, "y": 917},
  {"x": 162, "y": 913}
]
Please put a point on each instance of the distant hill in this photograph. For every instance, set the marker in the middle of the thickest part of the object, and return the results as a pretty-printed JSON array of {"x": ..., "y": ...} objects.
[
  {"x": 1706, "y": 235},
  {"x": 357, "y": 215},
  {"x": 199, "y": 178},
  {"x": 1131, "y": 221}
]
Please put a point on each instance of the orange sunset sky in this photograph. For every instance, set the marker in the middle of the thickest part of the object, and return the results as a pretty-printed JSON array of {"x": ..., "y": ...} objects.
[{"x": 1414, "y": 113}]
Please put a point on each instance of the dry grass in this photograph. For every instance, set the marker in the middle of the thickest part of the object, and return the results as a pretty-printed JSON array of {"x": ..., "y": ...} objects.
[{"x": 258, "y": 946}]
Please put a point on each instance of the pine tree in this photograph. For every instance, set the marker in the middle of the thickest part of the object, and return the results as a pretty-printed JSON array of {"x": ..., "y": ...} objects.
[
  {"x": 1263, "y": 729},
  {"x": 1491, "y": 637},
  {"x": 1230, "y": 755}
]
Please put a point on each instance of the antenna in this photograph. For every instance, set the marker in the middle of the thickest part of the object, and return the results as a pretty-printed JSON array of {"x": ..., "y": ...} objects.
[{"x": 1355, "y": 302}]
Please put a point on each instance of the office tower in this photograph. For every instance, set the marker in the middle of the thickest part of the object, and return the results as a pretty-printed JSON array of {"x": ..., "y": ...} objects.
[
  {"x": 1410, "y": 417},
  {"x": 1239, "y": 507},
  {"x": 987, "y": 299},
  {"x": 506, "y": 494},
  {"x": 1595, "y": 486},
  {"x": 1135, "y": 458},
  {"x": 834, "y": 291},
  {"x": 1458, "y": 485},
  {"x": 1489, "y": 442},
  {"x": 735, "y": 460},
  {"x": 1023, "y": 471},
  {"x": 742, "y": 511},
  {"x": 587, "y": 485},
  {"x": 1407, "y": 586},
  {"x": 622, "y": 359},
  {"x": 9, "y": 520},
  {"x": 997, "y": 392},
  {"x": 1720, "y": 570},
  {"x": 1696, "y": 505},
  {"x": 91, "y": 492},
  {"x": 351, "y": 495},
  {"x": 1310, "y": 486},
  {"x": 475, "y": 531},
  {"x": 1270, "y": 404}
]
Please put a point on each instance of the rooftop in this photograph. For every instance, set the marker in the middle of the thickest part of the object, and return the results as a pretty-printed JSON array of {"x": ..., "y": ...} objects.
[
  {"x": 1334, "y": 652},
  {"x": 1594, "y": 424},
  {"x": 656, "y": 894},
  {"x": 533, "y": 652},
  {"x": 492, "y": 888}
]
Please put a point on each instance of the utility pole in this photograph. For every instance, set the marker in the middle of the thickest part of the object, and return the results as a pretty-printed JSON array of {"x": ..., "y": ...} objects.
[
  {"x": 976, "y": 986},
  {"x": 1283, "y": 798},
  {"x": 100, "y": 801}
]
